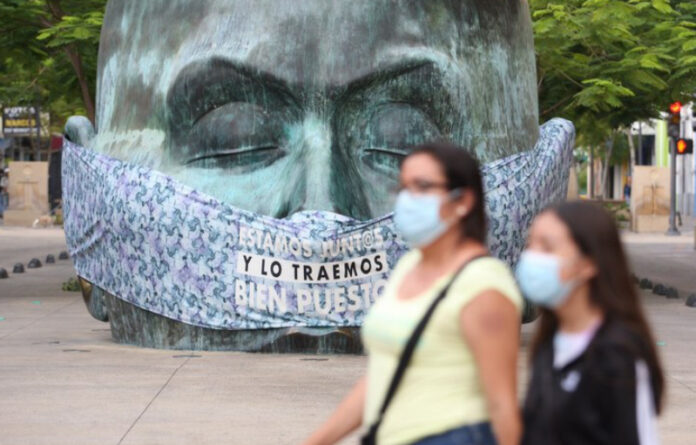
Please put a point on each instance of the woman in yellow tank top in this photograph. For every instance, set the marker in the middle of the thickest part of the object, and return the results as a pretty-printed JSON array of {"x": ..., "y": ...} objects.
[{"x": 460, "y": 385}]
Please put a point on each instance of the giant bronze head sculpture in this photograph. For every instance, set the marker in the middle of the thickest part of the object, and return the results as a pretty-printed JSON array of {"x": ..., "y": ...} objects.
[{"x": 294, "y": 114}]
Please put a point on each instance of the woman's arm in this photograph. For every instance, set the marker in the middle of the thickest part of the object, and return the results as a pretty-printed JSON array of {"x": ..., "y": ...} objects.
[
  {"x": 347, "y": 417},
  {"x": 490, "y": 324}
]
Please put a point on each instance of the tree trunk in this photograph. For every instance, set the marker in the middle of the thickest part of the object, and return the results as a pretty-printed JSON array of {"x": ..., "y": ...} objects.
[
  {"x": 605, "y": 169},
  {"x": 76, "y": 62},
  {"x": 632, "y": 149},
  {"x": 592, "y": 175}
]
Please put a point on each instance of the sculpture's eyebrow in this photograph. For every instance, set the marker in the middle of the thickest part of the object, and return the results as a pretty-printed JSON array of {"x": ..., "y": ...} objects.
[
  {"x": 384, "y": 73},
  {"x": 205, "y": 85}
]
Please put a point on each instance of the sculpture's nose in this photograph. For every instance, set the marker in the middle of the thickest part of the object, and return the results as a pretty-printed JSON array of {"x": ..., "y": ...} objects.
[
  {"x": 315, "y": 152},
  {"x": 327, "y": 178}
]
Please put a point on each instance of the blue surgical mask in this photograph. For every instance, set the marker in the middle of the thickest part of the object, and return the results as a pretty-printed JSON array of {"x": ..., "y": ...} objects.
[
  {"x": 417, "y": 218},
  {"x": 539, "y": 276}
]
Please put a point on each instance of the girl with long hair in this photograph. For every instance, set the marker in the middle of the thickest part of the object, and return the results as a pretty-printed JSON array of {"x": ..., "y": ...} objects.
[{"x": 596, "y": 376}]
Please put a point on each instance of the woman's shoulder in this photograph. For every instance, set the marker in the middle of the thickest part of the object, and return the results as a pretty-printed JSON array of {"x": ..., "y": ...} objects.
[
  {"x": 489, "y": 264},
  {"x": 487, "y": 274},
  {"x": 404, "y": 264},
  {"x": 407, "y": 261}
]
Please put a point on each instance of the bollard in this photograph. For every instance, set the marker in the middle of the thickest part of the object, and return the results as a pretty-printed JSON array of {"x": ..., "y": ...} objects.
[
  {"x": 672, "y": 293},
  {"x": 660, "y": 289}
]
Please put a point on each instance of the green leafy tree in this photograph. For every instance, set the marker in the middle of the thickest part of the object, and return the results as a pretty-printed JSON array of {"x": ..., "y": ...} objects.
[
  {"x": 605, "y": 64},
  {"x": 48, "y": 55}
]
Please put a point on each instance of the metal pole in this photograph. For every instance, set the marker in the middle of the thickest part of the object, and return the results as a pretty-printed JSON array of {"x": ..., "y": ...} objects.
[
  {"x": 672, "y": 231},
  {"x": 684, "y": 200},
  {"x": 682, "y": 174}
]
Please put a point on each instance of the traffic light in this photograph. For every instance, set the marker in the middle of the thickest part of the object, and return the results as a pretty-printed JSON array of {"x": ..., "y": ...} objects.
[
  {"x": 685, "y": 146},
  {"x": 673, "y": 129}
]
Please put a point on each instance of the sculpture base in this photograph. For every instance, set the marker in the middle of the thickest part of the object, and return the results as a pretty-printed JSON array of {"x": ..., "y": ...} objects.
[
  {"x": 132, "y": 325},
  {"x": 135, "y": 326}
]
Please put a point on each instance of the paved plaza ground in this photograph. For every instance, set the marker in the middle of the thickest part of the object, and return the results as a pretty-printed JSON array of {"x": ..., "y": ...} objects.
[{"x": 64, "y": 381}]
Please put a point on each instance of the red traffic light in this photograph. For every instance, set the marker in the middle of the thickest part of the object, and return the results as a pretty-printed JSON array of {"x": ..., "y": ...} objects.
[
  {"x": 675, "y": 107},
  {"x": 684, "y": 146},
  {"x": 681, "y": 146}
]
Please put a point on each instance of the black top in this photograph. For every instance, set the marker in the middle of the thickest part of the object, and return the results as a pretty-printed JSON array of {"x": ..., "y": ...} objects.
[{"x": 601, "y": 409}]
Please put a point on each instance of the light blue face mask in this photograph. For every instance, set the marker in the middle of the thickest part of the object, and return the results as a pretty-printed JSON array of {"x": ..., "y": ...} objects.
[
  {"x": 417, "y": 217},
  {"x": 539, "y": 276}
]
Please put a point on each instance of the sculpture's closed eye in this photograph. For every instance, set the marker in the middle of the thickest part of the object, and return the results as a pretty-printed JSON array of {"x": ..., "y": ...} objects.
[
  {"x": 237, "y": 135},
  {"x": 392, "y": 129},
  {"x": 223, "y": 116}
]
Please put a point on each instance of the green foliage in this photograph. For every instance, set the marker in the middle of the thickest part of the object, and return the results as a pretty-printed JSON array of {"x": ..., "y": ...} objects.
[
  {"x": 48, "y": 55},
  {"x": 621, "y": 153},
  {"x": 72, "y": 285},
  {"x": 619, "y": 210},
  {"x": 602, "y": 63},
  {"x": 71, "y": 29},
  {"x": 581, "y": 170},
  {"x": 605, "y": 64}
]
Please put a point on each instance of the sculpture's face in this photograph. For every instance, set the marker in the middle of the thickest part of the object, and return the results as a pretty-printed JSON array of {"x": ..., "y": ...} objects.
[{"x": 278, "y": 106}]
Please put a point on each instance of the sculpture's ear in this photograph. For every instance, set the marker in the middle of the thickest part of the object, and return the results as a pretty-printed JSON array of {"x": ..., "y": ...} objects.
[{"x": 79, "y": 130}]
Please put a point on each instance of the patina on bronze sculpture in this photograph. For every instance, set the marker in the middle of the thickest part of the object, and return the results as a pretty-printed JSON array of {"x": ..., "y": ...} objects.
[{"x": 280, "y": 107}]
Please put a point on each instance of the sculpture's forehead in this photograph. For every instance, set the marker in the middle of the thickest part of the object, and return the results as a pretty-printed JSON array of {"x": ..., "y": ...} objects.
[
  {"x": 483, "y": 50},
  {"x": 308, "y": 42}
]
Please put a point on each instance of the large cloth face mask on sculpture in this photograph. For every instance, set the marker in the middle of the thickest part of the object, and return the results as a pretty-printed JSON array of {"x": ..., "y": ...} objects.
[{"x": 162, "y": 246}]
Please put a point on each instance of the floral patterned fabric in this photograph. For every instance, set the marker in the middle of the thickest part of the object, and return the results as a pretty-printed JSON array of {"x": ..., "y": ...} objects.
[{"x": 164, "y": 247}]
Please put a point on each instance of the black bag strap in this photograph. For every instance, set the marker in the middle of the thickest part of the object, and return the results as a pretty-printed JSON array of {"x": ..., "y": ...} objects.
[{"x": 410, "y": 347}]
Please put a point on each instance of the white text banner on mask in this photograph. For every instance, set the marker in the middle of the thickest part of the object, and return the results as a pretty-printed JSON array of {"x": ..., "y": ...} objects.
[{"x": 311, "y": 272}]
